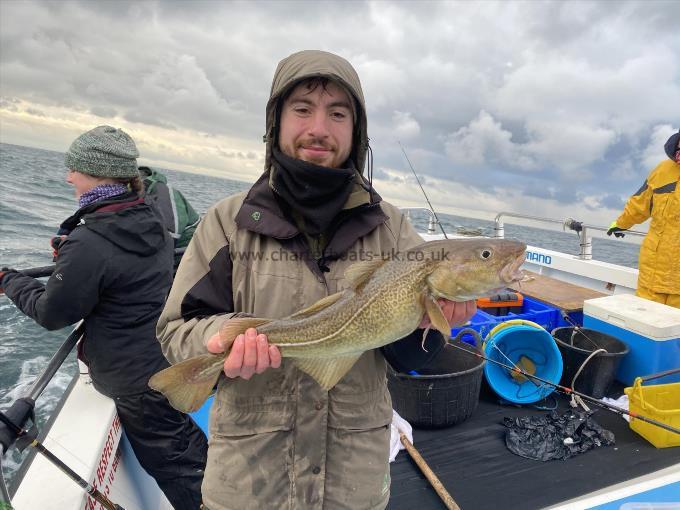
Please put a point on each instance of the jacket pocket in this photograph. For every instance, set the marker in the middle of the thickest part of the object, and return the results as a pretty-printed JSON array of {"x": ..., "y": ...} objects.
[
  {"x": 360, "y": 411},
  {"x": 260, "y": 405},
  {"x": 361, "y": 401},
  {"x": 651, "y": 241}
]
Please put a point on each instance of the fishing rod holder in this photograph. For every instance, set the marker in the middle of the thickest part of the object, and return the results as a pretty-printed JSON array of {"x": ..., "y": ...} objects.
[
  {"x": 582, "y": 229},
  {"x": 13, "y": 422}
]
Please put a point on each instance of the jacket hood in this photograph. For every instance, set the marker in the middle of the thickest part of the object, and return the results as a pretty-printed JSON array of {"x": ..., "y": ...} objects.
[
  {"x": 315, "y": 63},
  {"x": 672, "y": 145},
  {"x": 145, "y": 171},
  {"x": 135, "y": 229}
]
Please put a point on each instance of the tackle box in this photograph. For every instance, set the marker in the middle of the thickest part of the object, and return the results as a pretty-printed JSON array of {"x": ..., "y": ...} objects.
[
  {"x": 651, "y": 331},
  {"x": 544, "y": 315},
  {"x": 502, "y": 304}
]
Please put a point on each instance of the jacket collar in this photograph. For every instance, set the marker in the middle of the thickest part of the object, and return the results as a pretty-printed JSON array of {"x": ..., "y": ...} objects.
[
  {"x": 110, "y": 205},
  {"x": 261, "y": 213}
]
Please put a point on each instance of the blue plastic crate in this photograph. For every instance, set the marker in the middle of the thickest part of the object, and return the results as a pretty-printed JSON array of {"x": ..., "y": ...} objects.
[
  {"x": 542, "y": 314},
  {"x": 481, "y": 322}
]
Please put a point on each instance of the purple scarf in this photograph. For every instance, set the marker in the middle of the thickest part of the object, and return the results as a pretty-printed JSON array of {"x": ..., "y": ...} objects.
[{"x": 101, "y": 192}]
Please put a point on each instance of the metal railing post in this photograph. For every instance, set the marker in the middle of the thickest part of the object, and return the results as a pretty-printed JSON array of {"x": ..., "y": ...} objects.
[
  {"x": 586, "y": 252},
  {"x": 431, "y": 221},
  {"x": 431, "y": 226},
  {"x": 499, "y": 228}
]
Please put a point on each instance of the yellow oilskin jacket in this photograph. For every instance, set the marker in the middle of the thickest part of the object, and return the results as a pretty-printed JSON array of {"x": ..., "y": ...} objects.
[{"x": 658, "y": 199}]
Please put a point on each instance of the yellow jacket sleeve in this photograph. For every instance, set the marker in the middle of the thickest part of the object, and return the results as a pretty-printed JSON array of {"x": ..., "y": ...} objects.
[{"x": 637, "y": 209}]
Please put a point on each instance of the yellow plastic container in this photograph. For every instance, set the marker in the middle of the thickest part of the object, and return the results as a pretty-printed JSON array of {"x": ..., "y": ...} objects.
[{"x": 660, "y": 402}]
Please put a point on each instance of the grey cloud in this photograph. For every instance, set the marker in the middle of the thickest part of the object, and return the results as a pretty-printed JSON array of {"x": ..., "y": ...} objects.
[
  {"x": 103, "y": 111},
  {"x": 380, "y": 174},
  {"x": 35, "y": 112},
  {"x": 142, "y": 118},
  {"x": 560, "y": 103},
  {"x": 612, "y": 201},
  {"x": 237, "y": 154},
  {"x": 9, "y": 103}
]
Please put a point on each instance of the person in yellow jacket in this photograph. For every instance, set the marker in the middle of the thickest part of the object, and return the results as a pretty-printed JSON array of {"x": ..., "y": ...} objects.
[{"x": 658, "y": 199}]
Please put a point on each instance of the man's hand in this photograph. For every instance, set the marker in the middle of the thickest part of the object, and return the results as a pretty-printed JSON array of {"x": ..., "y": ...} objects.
[
  {"x": 456, "y": 313},
  {"x": 250, "y": 354},
  {"x": 616, "y": 230}
]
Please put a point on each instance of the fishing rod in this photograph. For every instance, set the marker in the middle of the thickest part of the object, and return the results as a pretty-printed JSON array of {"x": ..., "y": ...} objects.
[
  {"x": 90, "y": 489},
  {"x": 423, "y": 190},
  {"x": 43, "y": 271},
  {"x": 558, "y": 387},
  {"x": 38, "y": 272}
]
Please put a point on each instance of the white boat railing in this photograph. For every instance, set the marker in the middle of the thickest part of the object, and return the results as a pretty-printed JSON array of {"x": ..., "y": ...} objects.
[
  {"x": 586, "y": 244},
  {"x": 579, "y": 269}
]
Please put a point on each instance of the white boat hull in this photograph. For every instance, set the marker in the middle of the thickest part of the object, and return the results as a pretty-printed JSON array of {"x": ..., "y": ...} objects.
[{"x": 87, "y": 436}]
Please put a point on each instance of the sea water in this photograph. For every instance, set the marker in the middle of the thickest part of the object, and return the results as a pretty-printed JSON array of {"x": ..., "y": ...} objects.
[{"x": 35, "y": 199}]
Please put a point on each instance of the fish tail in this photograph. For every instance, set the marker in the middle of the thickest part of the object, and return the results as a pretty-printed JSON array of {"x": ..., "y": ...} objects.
[
  {"x": 234, "y": 327},
  {"x": 188, "y": 384}
]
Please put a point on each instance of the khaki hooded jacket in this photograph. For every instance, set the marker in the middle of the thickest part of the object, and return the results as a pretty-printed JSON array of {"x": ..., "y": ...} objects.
[{"x": 278, "y": 440}]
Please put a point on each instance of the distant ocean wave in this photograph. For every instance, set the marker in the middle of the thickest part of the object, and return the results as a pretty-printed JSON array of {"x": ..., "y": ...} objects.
[{"x": 34, "y": 199}]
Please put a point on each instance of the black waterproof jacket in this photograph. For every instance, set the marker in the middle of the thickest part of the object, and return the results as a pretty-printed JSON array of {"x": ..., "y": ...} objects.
[{"x": 114, "y": 270}]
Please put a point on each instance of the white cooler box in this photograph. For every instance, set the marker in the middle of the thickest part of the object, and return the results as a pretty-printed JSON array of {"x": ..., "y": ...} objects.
[{"x": 651, "y": 331}]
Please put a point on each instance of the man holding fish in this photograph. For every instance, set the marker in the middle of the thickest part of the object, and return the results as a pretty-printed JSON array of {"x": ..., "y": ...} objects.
[{"x": 301, "y": 419}]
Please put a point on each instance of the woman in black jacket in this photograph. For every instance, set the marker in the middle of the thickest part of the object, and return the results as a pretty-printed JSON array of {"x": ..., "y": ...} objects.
[{"x": 114, "y": 270}]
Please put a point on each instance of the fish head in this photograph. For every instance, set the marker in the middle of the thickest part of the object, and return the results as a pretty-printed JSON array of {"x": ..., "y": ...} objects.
[{"x": 465, "y": 269}]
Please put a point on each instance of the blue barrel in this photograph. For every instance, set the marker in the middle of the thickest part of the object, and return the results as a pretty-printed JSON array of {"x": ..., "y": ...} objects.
[{"x": 528, "y": 346}]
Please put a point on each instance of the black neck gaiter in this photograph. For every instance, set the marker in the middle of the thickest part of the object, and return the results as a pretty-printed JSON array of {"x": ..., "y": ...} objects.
[{"x": 314, "y": 192}]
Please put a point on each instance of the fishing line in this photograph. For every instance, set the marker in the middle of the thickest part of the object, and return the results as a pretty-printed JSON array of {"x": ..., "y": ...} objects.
[
  {"x": 558, "y": 387},
  {"x": 578, "y": 329},
  {"x": 421, "y": 189}
]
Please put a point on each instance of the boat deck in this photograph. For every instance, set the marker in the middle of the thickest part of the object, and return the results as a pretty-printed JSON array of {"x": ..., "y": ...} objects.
[
  {"x": 480, "y": 473},
  {"x": 562, "y": 295}
]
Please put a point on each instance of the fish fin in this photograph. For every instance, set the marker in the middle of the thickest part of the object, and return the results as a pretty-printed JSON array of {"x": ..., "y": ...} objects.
[
  {"x": 359, "y": 273},
  {"x": 188, "y": 384},
  {"x": 326, "y": 371},
  {"x": 232, "y": 328},
  {"x": 436, "y": 316},
  {"x": 318, "y": 306}
]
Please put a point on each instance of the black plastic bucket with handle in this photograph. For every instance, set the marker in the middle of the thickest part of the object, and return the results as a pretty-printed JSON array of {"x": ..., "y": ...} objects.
[
  {"x": 576, "y": 345},
  {"x": 444, "y": 393}
]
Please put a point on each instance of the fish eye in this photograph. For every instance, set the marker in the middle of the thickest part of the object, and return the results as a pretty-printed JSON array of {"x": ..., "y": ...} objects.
[{"x": 486, "y": 254}]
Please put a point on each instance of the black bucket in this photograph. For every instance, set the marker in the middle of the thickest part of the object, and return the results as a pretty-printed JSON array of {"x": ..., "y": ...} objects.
[
  {"x": 444, "y": 393},
  {"x": 576, "y": 344}
]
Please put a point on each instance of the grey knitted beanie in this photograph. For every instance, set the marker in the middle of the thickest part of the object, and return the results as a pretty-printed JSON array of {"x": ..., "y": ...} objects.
[{"x": 103, "y": 152}]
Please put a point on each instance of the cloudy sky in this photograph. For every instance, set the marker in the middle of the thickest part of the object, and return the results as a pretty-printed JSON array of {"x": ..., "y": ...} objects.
[{"x": 545, "y": 108}]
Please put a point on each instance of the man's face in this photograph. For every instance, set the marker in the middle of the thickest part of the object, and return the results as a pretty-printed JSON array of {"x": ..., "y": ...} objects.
[{"x": 316, "y": 126}]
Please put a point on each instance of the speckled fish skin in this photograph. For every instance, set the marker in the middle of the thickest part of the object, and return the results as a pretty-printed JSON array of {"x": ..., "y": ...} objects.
[
  {"x": 390, "y": 305},
  {"x": 385, "y": 301}
]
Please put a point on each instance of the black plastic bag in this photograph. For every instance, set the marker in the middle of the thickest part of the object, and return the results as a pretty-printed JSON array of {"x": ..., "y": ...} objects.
[{"x": 555, "y": 436}]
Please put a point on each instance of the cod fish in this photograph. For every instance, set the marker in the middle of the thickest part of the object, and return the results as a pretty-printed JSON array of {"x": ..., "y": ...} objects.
[{"x": 385, "y": 301}]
